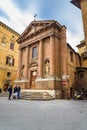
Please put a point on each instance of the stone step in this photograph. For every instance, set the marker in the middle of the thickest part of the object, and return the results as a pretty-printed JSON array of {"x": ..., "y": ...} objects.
[
  {"x": 4, "y": 94},
  {"x": 31, "y": 95},
  {"x": 36, "y": 96}
]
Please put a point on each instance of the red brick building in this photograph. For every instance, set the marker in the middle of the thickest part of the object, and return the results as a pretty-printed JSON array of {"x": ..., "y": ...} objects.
[{"x": 46, "y": 61}]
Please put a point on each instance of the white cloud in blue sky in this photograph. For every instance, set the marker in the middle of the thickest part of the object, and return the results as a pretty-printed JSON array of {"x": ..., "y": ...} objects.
[{"x": 19, "y": 13}]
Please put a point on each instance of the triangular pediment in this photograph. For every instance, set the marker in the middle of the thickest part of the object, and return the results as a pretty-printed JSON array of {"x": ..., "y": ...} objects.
[{"x": 35, "y": 27}]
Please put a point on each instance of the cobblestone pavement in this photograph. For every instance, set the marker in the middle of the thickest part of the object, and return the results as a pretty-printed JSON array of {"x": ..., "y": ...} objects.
[{"x": 43, "y": 115}]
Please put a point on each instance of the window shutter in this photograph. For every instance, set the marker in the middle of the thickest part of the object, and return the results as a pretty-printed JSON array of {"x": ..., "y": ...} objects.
[
  {"x": 12, "y": 62},
  {"x": 7, "y": 60}
]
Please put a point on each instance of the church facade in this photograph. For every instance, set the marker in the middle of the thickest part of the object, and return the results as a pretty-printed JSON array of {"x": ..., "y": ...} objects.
[{"x": 46, "y": 61}]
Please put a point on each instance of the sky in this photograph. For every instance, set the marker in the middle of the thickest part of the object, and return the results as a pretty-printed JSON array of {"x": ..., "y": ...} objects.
[{"x": 18, "y": 14}]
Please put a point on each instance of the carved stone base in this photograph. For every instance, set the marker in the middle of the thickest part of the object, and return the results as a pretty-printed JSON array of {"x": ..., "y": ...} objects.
[{"x": 22, "y": 82}]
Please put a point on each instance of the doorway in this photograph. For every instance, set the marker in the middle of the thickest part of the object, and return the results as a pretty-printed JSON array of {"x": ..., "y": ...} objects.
[{"x": 32, "y": 79}]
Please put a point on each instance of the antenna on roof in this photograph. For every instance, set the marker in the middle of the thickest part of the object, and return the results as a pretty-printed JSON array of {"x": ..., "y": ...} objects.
[{"x": 35, "y": 17}]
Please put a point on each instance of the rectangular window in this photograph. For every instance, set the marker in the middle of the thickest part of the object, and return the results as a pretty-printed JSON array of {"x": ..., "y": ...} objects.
[
  {"x": 8, "y": 74},
  {"x": 3, "y": 41},
  {"x": 34, "y": 52},
  {"x": 10, "y": 61},
  {"x": 12, "y": 46}
]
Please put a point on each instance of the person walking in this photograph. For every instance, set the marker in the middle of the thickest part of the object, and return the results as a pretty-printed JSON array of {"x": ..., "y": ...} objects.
[
  {"x": 15, "y": 91},
  {"x": 10, "y": 92}
]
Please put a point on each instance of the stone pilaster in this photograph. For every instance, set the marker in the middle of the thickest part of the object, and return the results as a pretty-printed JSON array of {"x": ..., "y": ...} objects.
[
  {"x": 52, "y": 56},
  {"x": 19, "y": 65},
  {"x": 63, "y": 51},
  {"x": 26, "y": 63},
  {"x": 40, "y": 61}
]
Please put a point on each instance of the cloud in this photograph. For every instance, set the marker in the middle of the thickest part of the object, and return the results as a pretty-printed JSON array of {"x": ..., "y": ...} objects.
[
  {"x": 75, "y": 32},
  {"x": 74, "y": 39},
  {"x": 17, "y": 20}
]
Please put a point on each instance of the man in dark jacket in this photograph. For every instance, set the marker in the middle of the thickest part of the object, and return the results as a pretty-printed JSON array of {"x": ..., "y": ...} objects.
[
  {"x": 15, "y": 91},
  {"x": 18, "y": 90},
  {"x": 10, "y": 92}
]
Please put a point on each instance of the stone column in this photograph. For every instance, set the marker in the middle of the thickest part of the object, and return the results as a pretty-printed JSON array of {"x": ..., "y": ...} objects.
[
  {"x": 52, "y": 56},
  {"x": 84, "y": 17},
  {"x": 40, "y": 61},
  {"x": 19, "y": 65},
  {"x": 26, "y": 63}
]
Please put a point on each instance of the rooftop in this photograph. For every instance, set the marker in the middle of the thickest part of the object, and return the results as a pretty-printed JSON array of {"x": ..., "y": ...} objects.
[{"x": 8, "y": 28}]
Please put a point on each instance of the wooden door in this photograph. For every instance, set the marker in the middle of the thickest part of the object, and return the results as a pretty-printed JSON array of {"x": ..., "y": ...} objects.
[{"x": 33, "y": 78}]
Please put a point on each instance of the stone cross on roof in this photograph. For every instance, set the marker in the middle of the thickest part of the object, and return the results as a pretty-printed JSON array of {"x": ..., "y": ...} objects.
[{"x": 35, "y": 17}]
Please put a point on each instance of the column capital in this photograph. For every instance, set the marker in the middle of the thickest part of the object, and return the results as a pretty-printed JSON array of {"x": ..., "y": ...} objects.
[
  {"x": 40, "y": 40},
  {"x": 52, "y": 34},
  {"x": 62, "y": 34}
]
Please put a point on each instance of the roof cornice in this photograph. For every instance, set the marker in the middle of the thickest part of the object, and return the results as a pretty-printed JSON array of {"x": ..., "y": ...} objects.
[{"x": 6, "y": 26}]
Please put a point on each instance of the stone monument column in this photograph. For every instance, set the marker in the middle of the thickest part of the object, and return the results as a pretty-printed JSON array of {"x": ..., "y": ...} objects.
[
  {"x": 40, "y": 61},
  {"x": 52, "y": 56}
]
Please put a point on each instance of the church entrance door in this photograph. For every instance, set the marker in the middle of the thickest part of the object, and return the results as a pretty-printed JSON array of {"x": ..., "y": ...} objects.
[{"x": 33, "y": 78}]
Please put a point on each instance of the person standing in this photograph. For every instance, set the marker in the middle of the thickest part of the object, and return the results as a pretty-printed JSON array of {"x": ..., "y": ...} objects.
[
  {"x": 18, "y": 90},
  {"x": 10, "y": 92}
]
